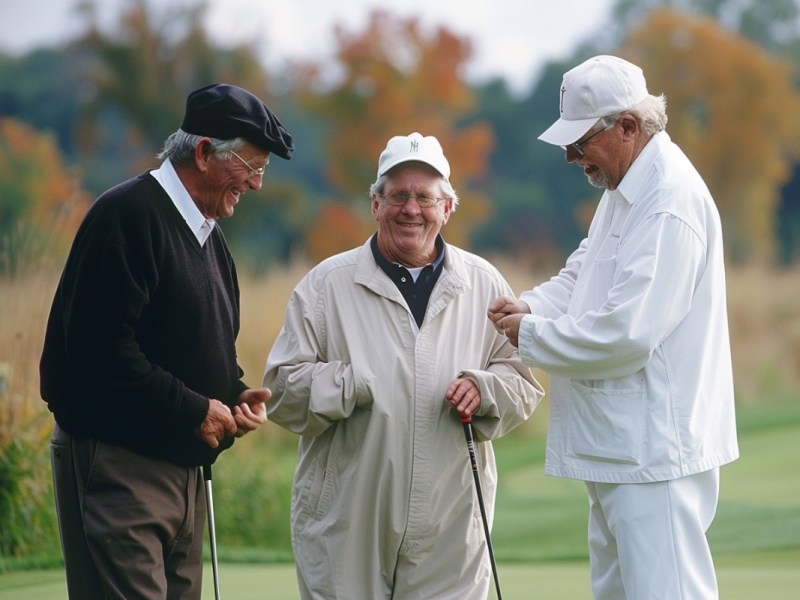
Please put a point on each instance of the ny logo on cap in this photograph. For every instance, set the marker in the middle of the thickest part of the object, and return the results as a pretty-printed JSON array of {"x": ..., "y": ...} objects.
[
  {"x": 561, "y": 99},
  {"x": 414, "y": 146}
]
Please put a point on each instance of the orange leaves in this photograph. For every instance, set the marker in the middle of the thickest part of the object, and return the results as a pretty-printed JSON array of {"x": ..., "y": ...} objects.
[
  {"x": 732, "y": 108},
  {"x": 397, "y": 79},
  {"x": 337, "y": 227},
  {"x": 40, "y": 203}
]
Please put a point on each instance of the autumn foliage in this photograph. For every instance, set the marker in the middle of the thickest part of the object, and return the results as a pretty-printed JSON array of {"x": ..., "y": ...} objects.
[
  {"x": 732, "y": 106},
  {"x": 398, "y": 80},
  {"x": 337, "y": 227},
  {"x": 734, "y": 111},
  {"x": 41, "y": 202}
]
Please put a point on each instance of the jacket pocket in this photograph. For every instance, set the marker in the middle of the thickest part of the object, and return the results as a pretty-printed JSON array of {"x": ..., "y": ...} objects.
[
  {"x": 607, "y": 424},
  {"x": 326, "y": 480}
]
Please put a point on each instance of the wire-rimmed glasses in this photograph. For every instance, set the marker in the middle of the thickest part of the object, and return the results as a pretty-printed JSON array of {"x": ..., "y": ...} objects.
[
  {"x": 251, "y": 171},
  {"x": 398, "y": 199}
]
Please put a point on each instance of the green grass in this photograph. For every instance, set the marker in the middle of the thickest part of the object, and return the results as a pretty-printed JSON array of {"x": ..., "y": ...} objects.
[
  {"x": 542, "y": 518},
  {"x": 764, "y": 575},
  {"x": 539, "y": 533}
]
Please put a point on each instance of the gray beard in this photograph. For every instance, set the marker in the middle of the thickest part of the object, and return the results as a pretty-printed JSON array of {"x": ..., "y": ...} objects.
[{"x": 599, "y": 180}]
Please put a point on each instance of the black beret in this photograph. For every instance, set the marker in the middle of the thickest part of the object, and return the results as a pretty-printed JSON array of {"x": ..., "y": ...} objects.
[{"x": 225, "y": 112}]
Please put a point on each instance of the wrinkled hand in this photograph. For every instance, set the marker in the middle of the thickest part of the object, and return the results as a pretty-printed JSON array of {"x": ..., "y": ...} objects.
[
  {"x": 464, "y": 396},
  {"x": 251, "y": 411},
  {"x": 506, "y": 313},
  {"x": 218, "y": 423}
]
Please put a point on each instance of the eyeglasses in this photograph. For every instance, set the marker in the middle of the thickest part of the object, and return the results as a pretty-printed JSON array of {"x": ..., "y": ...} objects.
[
  {"x": 251, "y": 170},
  {"x": 578, "y": 146},
  {"x": 401, "y": 198}
]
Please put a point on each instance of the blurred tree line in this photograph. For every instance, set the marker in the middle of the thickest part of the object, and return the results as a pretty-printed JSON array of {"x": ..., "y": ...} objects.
[{"x": 77, "y": 119}]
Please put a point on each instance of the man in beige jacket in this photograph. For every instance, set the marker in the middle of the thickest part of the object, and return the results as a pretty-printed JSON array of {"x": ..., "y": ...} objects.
[{"x": 383, "y": 348}]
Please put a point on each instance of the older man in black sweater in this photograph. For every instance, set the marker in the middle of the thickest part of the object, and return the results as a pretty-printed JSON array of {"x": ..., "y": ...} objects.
[{"x": 139, "y": 364}]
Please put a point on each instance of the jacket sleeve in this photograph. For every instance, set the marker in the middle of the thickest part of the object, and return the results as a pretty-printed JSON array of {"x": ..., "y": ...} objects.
[
  {"x": 509, "y": 395},
  {"x": 551, "y": 298},
  {"x": 309, "y": 393},
  {"x": 651, "y": 292},
  {"x": 509, "y": 391}
]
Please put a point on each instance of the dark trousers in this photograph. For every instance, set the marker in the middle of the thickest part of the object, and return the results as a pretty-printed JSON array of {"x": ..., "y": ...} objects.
[{"x": 131, "y": 527}]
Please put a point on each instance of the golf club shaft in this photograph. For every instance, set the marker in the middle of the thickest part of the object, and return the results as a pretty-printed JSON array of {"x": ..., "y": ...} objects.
[
  {"x": 212, "y": 536},
  {"x": 467, "y": 422}
]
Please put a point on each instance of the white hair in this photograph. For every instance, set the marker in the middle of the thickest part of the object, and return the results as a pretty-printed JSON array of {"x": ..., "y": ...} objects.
[{"x": 179, "y": 146}]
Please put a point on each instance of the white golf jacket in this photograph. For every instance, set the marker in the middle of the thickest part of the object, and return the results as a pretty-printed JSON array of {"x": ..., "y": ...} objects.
[{"x": 634, "y": 331}]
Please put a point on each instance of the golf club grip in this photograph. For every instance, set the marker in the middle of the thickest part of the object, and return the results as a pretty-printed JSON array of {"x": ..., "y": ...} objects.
[{"x": 473, "y": 460}]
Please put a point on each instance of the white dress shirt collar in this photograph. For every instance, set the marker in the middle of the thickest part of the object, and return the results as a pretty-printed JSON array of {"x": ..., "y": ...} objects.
[{"x": 166, "y": 176}]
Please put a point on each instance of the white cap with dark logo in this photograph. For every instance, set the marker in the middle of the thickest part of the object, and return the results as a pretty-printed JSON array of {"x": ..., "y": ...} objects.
[
  {"x": 413, "y": 147},
  {"x": 601, "y": 86}
]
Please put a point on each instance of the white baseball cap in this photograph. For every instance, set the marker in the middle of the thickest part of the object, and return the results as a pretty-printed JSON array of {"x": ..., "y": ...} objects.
[
  {"x": 596, "y": 88},
  {"x": 404, "y": 148}
]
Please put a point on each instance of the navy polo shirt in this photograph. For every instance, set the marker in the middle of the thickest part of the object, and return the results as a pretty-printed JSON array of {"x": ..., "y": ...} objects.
[{"x": 416, "y": 293}]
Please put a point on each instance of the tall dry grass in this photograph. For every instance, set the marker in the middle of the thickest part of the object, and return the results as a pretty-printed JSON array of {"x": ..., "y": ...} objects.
[
  {"x": 28, "y": 523},
  {"x": 764, "y": 317},
  {"x": 763, "y": 309},
  {"x": 25, "y": 303},
  {"x": 765, "y": 328},
  {"x": 763, "y": 306}
]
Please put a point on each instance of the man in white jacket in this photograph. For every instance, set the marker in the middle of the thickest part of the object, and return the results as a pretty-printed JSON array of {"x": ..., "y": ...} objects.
[
  {"x": 634, "y": 332},
  {"x": 383, "y": 348}
]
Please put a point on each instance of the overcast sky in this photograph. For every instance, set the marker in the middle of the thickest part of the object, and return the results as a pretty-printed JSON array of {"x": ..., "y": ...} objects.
[{"x": 511, "y": 38}]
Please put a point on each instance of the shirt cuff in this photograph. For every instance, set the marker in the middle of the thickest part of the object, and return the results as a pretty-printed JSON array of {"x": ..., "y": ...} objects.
[{"x": 527, "y": 339}]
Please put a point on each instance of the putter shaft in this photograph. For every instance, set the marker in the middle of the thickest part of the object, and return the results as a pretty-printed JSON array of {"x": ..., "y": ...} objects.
[
  {"x": 467, "y": 422},
  {"x": 212, "y": 536}
]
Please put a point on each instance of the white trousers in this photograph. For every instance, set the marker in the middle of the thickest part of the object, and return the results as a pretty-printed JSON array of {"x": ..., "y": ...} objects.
[{"x": 647, "y": 541}]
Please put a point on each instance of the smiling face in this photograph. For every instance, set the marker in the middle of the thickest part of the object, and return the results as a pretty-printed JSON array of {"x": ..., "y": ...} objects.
[
  {"x": 225, "y": 180},
  {"x": 407, "y": 233}
]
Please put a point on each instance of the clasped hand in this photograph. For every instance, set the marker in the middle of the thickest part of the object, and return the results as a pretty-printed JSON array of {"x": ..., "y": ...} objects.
[
  {"x": 506, "y": 313},
  {"x": 249, "y": 413}
]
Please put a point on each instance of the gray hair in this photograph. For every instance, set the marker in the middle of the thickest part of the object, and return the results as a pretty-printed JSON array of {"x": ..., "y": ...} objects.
[
  {"x": 376, "y": 189},
  {"x": 179, "y": 147},
  {"x": 651, "y": 113}
]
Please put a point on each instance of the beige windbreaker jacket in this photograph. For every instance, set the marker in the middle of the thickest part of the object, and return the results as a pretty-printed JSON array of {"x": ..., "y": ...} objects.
[{"x": 384, "y": 504}]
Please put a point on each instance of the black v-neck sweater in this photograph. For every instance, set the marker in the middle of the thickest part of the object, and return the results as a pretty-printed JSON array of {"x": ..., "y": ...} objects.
[{"x": 143, "y": 327}]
